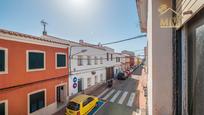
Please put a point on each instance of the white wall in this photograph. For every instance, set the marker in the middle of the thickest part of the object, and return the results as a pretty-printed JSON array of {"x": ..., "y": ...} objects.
[{"x": 85, "y": 71}]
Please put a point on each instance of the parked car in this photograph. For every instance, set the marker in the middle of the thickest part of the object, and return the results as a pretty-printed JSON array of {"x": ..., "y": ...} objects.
[
  {"x": 81, "y": 105},
  {"x": 128, "y": 73},
  {"x": 121, "y": 76},
  {"x": 110, "y": 83}
]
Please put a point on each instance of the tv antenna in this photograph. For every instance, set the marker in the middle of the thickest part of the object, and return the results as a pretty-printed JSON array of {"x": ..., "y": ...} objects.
[{"x": 44, "y": 26}]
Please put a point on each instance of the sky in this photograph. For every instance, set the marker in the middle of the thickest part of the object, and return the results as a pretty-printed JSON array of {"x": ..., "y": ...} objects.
[{"x": 93, "y": 21}]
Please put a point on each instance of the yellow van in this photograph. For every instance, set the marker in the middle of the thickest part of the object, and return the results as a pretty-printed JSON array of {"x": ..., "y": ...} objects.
[{"x": 81, "y": 105}]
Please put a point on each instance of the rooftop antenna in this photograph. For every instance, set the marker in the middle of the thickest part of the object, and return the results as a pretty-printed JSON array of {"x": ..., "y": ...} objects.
[{"x": 44, "y": 26}]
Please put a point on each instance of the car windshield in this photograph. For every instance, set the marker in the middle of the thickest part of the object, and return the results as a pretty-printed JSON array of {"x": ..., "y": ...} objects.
[{"x": 73, "y": 106}]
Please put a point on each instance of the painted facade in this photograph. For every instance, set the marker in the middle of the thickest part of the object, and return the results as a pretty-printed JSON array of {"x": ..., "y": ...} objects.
[
  {"x": 26, "y": 78},
  {"x": 89, "y": 68}
]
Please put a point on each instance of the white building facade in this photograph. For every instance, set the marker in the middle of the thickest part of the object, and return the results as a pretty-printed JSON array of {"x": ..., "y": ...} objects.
[{"x": 88, "y": 68}]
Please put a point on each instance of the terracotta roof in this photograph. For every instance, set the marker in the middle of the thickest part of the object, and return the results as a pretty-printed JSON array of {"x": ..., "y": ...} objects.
[
  {"x": 92, "y": 45},
  {"x": 82, "y": 44},
  {"x": 26, "y": 36}
]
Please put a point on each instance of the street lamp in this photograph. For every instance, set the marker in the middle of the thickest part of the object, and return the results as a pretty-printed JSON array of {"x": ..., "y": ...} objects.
[
  {"x": 82, "y": 51},
  {"x": 71, "y": 56}
]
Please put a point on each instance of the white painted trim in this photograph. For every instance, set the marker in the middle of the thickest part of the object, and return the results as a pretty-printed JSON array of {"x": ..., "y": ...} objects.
[
  {"x": 27, "y": 62},
  {"x": 28, "y": 99},
  {"x": 6, "y": 106},
  {"x": 56, "y": 60},
  {"x": 6, "y": 60},
  {"x": 31, "y": 41},
  {"x": 62, "y": 84}
]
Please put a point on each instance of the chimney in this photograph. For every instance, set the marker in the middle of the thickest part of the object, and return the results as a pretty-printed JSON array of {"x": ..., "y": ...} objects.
[
  {"x": 99, "y": 44},
  {"x": 81, "y": 41}
]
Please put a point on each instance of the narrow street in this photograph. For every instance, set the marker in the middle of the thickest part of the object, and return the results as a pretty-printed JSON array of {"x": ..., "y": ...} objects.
[
  {"x": 118, "y": 97},
  {"x": 122, "y": 98}
]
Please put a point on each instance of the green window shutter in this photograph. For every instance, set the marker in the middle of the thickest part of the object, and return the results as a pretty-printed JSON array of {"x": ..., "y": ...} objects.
[
  {"x": 36, "y": 60},
  {"x": 2, "y": 60},
  {"x": 61, "y": 60},
  {"x": 37, "y": 101}
]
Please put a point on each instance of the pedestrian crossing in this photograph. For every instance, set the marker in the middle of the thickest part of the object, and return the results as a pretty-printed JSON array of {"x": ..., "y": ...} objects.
[
  {"x": 123, "y": 97},
  {"x": 118, "y": 96},
  {"x": 115, "y": 96}
]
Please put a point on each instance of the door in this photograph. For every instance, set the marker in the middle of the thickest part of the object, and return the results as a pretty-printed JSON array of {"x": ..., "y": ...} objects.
[
  {"x": 60, "y": 95},
  {"x": 196, "y": 64},
  {"x": 79, "y": 85}
]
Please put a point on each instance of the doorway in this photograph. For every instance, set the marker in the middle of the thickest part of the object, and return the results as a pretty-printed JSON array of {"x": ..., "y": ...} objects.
[
  {"x": 60, "y": 95},
  {"x": 79, "y": 85}
]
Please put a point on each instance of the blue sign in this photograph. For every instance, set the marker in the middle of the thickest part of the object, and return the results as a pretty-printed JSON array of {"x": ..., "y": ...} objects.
[
  {"x": 75, "y": 82},
  {"x": 74, "y": 79}
]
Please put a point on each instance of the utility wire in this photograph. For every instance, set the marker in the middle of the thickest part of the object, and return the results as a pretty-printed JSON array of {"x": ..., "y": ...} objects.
[{"x": 140, "y": 36}]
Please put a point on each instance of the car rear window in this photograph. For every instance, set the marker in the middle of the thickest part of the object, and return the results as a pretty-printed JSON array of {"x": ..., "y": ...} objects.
[{"x": 73, "y": 106}]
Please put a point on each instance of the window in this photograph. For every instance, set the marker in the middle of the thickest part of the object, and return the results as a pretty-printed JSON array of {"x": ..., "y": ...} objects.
[
  {"x": 3, "y": 60},
  {"x": 107, "y": 56},
  {"x": 37, "y": 101},
  {"x": 36, "y": 60},
  {"x": 4, "y": 107},
  {"x": 101, "y": 77},
  {"x": 111, "y": 57},
  {"x": 88, "y": 82},
  {"x": 61, "y": 60},
  {"x": 101, "y": 60},
  {"x": 96, "y": 60},
  {"x": 79, "y": 60},
  {"x": 73, "y": 106},
  {"x": 96, "y": 79},
  {"x": 88, "y": 60},
  {"x": 117, "y": 59},
  {"x": 87, "y": 101}
]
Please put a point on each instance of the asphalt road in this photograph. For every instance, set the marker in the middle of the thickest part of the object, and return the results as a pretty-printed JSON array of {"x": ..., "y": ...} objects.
[
  {"x": 121, "y": 99},
  {"x": 125, "y": 93}
]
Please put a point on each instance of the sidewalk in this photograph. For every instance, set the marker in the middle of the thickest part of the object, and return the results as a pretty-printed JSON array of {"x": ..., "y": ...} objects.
[{"x": 141, "y": 99}]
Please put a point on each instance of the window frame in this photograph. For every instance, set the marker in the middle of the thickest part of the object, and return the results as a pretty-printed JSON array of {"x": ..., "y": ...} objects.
[
  {"x": 95, "y": 60},
  {"x": 101, "y": 77},
  {"x": 89, "y": 60},
  {"x": 96, "y": 79},
  {"x": 107, "y": 56},
  {"x": 6, "y": 61},
  {"x": 6, "y": 105},
  {"x": 60, "y": 53},
  {"x": 27, "y": 60},
  {"x": 111, "y": 57},
  {"x": 101, "y": 60},
  {"x": 117, "y": 59},
  {"x": 28, "y": 99},
  {"x": 79, "y": 60},
  {"x": 89, "y": 83}
]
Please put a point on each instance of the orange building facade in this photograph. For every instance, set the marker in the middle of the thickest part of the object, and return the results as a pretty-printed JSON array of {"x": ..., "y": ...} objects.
[{"x": 33, "y": 74}]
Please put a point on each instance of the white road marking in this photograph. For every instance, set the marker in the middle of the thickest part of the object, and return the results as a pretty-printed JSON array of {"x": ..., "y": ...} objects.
[
  {"x": 105, "y": 91},
  {"x": 131, "y": 100},
  {"x": 123, "y": 97},
  {"x": 115, "y": 96},
  {"x": 109, "y": 94},
  {"x": 99, "y": 108}
]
